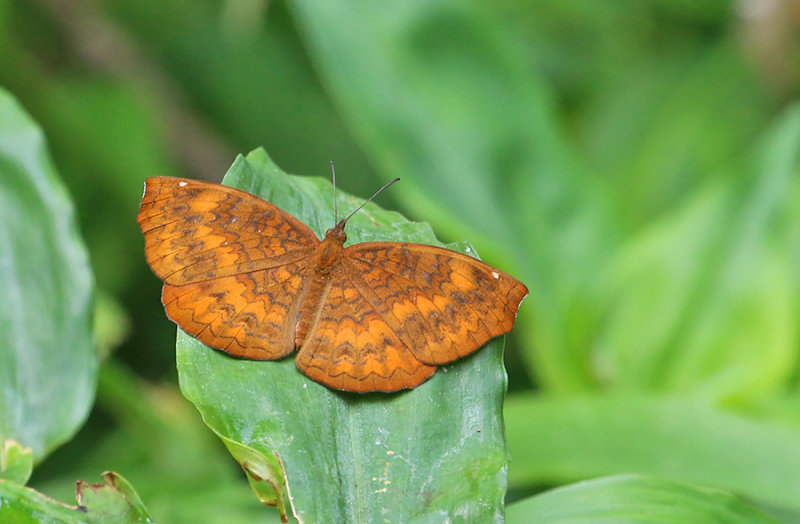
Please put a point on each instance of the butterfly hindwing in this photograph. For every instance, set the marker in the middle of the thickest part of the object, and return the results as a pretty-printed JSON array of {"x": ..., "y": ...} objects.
[
  {"x": 349, "y": 346},
  {"x": 251, "y": 315}
]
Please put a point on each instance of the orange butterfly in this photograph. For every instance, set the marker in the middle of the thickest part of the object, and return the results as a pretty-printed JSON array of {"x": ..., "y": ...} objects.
[{"x": 248, "y": 278}]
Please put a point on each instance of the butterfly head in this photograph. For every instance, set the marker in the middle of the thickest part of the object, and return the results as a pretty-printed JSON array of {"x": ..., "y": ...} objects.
[{"x": 337, "y": 234}]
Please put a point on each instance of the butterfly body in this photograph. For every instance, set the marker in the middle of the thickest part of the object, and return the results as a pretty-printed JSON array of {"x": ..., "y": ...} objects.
[{"x": 249, "y": 279}]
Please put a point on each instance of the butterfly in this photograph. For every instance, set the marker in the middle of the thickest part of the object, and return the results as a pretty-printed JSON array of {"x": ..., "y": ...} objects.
[{"x": 251, "y": 280}]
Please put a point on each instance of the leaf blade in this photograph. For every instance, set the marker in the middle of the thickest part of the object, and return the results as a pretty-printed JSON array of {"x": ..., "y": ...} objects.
[
  {"x": 349, "y": 457},
  {"x": 113, "y": 500},
  {"x": 634, "y": 499},
  {"x": 678, "y": 439},
  {"x": 47, "y": 358}
]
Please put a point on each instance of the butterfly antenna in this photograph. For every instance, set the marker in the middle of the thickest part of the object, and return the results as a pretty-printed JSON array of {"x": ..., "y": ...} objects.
[
  {"x": 335, "y": 206},
  {"x": 367, "y": 201}
]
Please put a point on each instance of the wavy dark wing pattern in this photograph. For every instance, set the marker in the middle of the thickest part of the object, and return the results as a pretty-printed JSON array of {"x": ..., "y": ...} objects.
[
  {"x": 350, "y": 347},
  {"x": 440, "y": 303},
  {"x": 250, "y": 315},
  {"x": 196, "y": 231}
]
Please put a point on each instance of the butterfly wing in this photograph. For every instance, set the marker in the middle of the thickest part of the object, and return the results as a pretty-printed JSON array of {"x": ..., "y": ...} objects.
[
  {"x": 441, "y": 304},
  {"x": 350, "y": 347},
  {"x": 196, "y": 231},
  {"x": 233, "y": 265}
]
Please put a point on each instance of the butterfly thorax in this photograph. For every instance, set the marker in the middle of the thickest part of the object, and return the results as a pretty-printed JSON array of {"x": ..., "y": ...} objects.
[{"x": 330, "y": 249}]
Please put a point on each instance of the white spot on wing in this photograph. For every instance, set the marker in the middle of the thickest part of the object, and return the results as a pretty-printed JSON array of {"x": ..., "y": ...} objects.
[
  {"x": 495, "y": 274},
  {"x": 181, "y": 184}
]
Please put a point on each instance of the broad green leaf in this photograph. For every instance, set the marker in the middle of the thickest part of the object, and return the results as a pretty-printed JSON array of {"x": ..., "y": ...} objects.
[
  {"x": 568, "y": 438},
  {"x": 441, "y": 94},
  {"x": 47, "y": 357},
  {"x": 705, "y": 300},
  {"x": 634, "y": 499},
  {"x": 415, "y": 456},
  {"x": 16, "y": 462},
  {"x": 112, "y": 501}
]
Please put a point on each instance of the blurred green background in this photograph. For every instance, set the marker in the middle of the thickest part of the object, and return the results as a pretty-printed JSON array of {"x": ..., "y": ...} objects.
[{"x": 635, "y": 164}]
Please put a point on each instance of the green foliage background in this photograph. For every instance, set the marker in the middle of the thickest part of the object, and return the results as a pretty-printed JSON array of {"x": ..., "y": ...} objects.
[{"x": 635, "y": 165}]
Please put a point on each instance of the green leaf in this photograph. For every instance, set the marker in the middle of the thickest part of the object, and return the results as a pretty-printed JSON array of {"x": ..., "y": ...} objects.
[
  {"x": 115, "y": 500},
  {"x": 16, "y": 462},
  {"x": 22, "y": 505},
  {"x": 569, "y": 438},
  {"x": 263, "y": 472},
  {"x": 692, "y": 297},
  {"x": 632, "y": 499},
  {"x": 112, "y": 501},
  {"x": 423, "y": 454},
  {"x": 47, "y": 357}
]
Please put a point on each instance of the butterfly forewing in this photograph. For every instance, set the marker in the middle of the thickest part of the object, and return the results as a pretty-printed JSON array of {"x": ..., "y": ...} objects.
[{"x": 198, "y": 231}]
